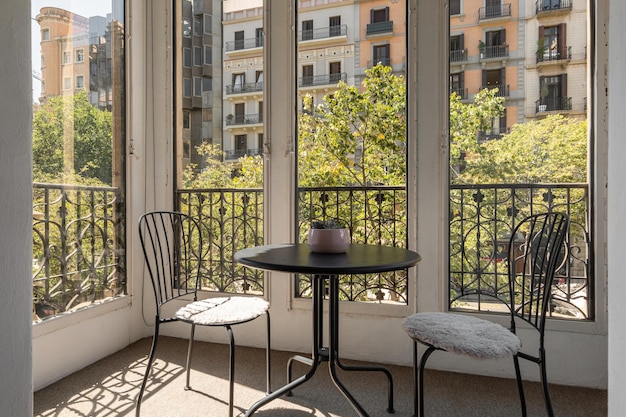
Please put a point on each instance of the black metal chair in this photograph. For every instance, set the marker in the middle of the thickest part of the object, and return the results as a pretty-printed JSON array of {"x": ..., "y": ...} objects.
[
  {"x": 531, "y": 269},
  {"x": 172, "y": 247}
]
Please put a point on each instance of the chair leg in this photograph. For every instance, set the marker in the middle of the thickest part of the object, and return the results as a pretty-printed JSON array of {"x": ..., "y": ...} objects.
[
  {"x": 544, "y": 382},
  {"x": 520, "y": 384},
  {"x": 148, "y": 366},
  {"x": 268, "y": 353},
  {"x": 189, "y": 353},
  {"x": 231, "y": 371},
  {"x": 418, "y": 375}
]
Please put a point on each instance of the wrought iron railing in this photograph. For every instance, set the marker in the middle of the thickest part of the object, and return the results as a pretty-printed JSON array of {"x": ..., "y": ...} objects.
[
  {"x": 494, "y": 51},
  {"x": 553, "y": 103},
  {"x": 481, "y": 220},
  {"x": 458, "y": 55},
  {"x": 551, "y": 5},
  {"x": 78, "y": 246},
  {"x": 244, "y": 119},
  {"x": 494, "y": 11},
  {"x": 374, "y": 215},
  {"x": 323, "y": 33},
  {"x": 327, "y": 79},
  {"x": 551, "y": 55}
]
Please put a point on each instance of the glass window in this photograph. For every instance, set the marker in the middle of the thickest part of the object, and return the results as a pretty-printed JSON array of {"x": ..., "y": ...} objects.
[
  {"x": 78, "y": 139},
  {"x": 197, "y": 56},
  {"x": 455, "y": 7},
  {"x": 187, "y": 57},
  {"x": 208, "y": 55}
]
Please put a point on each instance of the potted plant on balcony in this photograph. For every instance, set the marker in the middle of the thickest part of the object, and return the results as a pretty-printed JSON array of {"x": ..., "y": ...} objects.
[
  {"x": 229, "y": 119},
  {"x": 481, "y": 48},
  {"x": 543, "y": 93},
  {"x": 328, "y": 236}
]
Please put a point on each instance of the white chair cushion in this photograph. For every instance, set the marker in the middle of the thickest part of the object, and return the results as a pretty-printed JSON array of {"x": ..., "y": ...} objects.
[
  {"x": 462, "y": 334},
  {"x": 222, "y": 311}
]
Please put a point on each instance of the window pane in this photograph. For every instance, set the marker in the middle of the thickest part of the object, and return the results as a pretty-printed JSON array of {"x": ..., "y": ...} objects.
[
  {"x": 78, "y": 153},
  {"x": 518, "y": 145},
  {"x": 216, "y": 140},
  {"x": 352, "y": 142}
]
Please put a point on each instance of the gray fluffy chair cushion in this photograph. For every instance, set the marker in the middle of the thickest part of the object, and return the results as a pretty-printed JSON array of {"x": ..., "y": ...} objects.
[
  {"x": 462, "y": 334},
  {"x": 222, "y": 311}
]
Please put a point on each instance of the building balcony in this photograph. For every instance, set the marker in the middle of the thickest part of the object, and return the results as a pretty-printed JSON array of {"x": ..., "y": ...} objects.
[
  {"x": 234, "y": 154},
  {"x": 552, "y": 104},
  {"x": 379, "y": 28},
  {"x": 322, "y": 35},
  {"x": 494, "y": 51},
  {"x": 551, "y": 7},
  {"x": 548, "y": 57},
  {"x": 243, "y": 46},
  {"x": 494, "y": 12},
  {"x": 503, "y": 90},
  {"x": 243, "y": 120},
  {"x": 461, "y": 92},
  {"x": 247, "y": 88},
  {"x": 459, "y": 55},
  {"x": 110, "y": 387},
  {"x": 322, "y": 80}
]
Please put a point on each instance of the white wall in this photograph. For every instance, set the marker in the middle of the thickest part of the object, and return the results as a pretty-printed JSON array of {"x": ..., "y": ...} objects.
[
  {"x": 617, "y": 205},
  {"x": 15, "y": 212}
]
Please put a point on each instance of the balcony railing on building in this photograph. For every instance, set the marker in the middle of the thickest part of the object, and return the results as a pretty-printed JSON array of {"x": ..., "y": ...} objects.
[
  {"x": 503, "y": 90},
  {"x": 383, "y": 61},
  {"x": 319, "y": 80},
  {"x": 553, "y": 104},
  {"x": 244, "y": 119},
  {"x": 494, "y": 11},
  {"x": 244, "y": 88},
  {"x": 78, "y": 247},
  {"x": 379, "y": 28},
  {"x": 323, "y": 33},
  {"x": 484, "y": 136},
  {"x": 234, "y": 154},
  {"x": 550, "y": 55},
  {"x": 494, "y": 51},
  {"x": 461, "y": 92},
  {"x": 543, "y": 6},
  {"x": 243, "y": 44},
  {"x": 458, "y": 55}
]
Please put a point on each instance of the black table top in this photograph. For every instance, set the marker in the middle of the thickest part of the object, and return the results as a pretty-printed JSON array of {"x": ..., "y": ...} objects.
[{"x": 298, "y": 258}]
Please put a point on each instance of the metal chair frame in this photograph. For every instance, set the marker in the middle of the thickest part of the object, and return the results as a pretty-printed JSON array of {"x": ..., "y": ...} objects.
[
  {"x": 530, "y": 278},
  {"x": 172, "y": 248}
]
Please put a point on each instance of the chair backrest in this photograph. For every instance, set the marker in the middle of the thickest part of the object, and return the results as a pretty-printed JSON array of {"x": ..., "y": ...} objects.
[
  {"x": 533, "y": 262},
  {"x": 172, "y": 245}
]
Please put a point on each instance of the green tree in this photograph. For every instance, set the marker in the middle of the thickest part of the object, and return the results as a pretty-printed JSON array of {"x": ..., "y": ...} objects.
[
  {"x": 72, "y": 141},
  {"x": 466, "y": 120},
  {"x": 214, "y": 174},
  {"x": 355, "y": 137}
]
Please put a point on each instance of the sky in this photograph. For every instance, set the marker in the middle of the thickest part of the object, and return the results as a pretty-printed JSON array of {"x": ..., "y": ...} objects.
[{"x": 86, "y": 8}]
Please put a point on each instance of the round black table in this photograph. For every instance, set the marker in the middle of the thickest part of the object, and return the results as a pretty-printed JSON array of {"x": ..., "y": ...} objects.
[{"x": 297, "y": 258}]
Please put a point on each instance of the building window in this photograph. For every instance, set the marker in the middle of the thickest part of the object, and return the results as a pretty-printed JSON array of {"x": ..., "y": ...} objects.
[
  {"x": 260, "y": 112},
  {"x": 260, "y": 142},
  {"x": 241, "y": 144},
  {"x": 207, "y": 84},
  {"x": 79, "y": 55},
  {"x": 553, "y": 93},
  {"x": 307, "y": 30},
  {"x": 197, "y": 56},
  {"x": 186, "y": 87},
  {"x": 307, "y": 75},
  {"x": 335, "y": 72},
  {"x": 239, "y": 81},
  {"x": 495, "y": 78},
  {"x": 381, "y": 55},
  {"x": 208, "y": 55},
  {"x": 197, "y": 86},
  {"x": 208, "y": 24},
  {"x": 186, "y": 119},
  {"x": 45, "y": 35},
  {"x": 67, "y": 83},
  {"x": 495, "y": 44},
  {"x": 258, "y": 38},
  {"x": 455, "y": 7},
  {"x": 334, "y": 23},
  {"x": 553, "y": 46},
  {"x": 187, "y": 57},
  {"x": 67, "y": 57},
  {"x": 186, "y": 150},
  {"x": 80, "y": 81},
  {"x": 457, "y": 48},
  {"x": 457, "y": 85},
  {"x": 43, "y": 60},
  {"x": 239, "y": 40},
  {"x": 197, "y": 25},
  {"x": 379, "y": 15},
  {"x": 259, "y": 80}
]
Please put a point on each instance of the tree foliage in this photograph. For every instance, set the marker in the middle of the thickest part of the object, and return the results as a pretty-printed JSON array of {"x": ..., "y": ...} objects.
[
  {"x": 67, "y": 125},
  {"x": 355, "y": 137}
]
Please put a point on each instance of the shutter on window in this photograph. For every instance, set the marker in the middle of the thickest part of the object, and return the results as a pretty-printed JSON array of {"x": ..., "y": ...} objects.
[
  {"x": 563, "y": 82},
  {"x": 503, "y": 36},
  {"x": 461, "y": 41}
]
